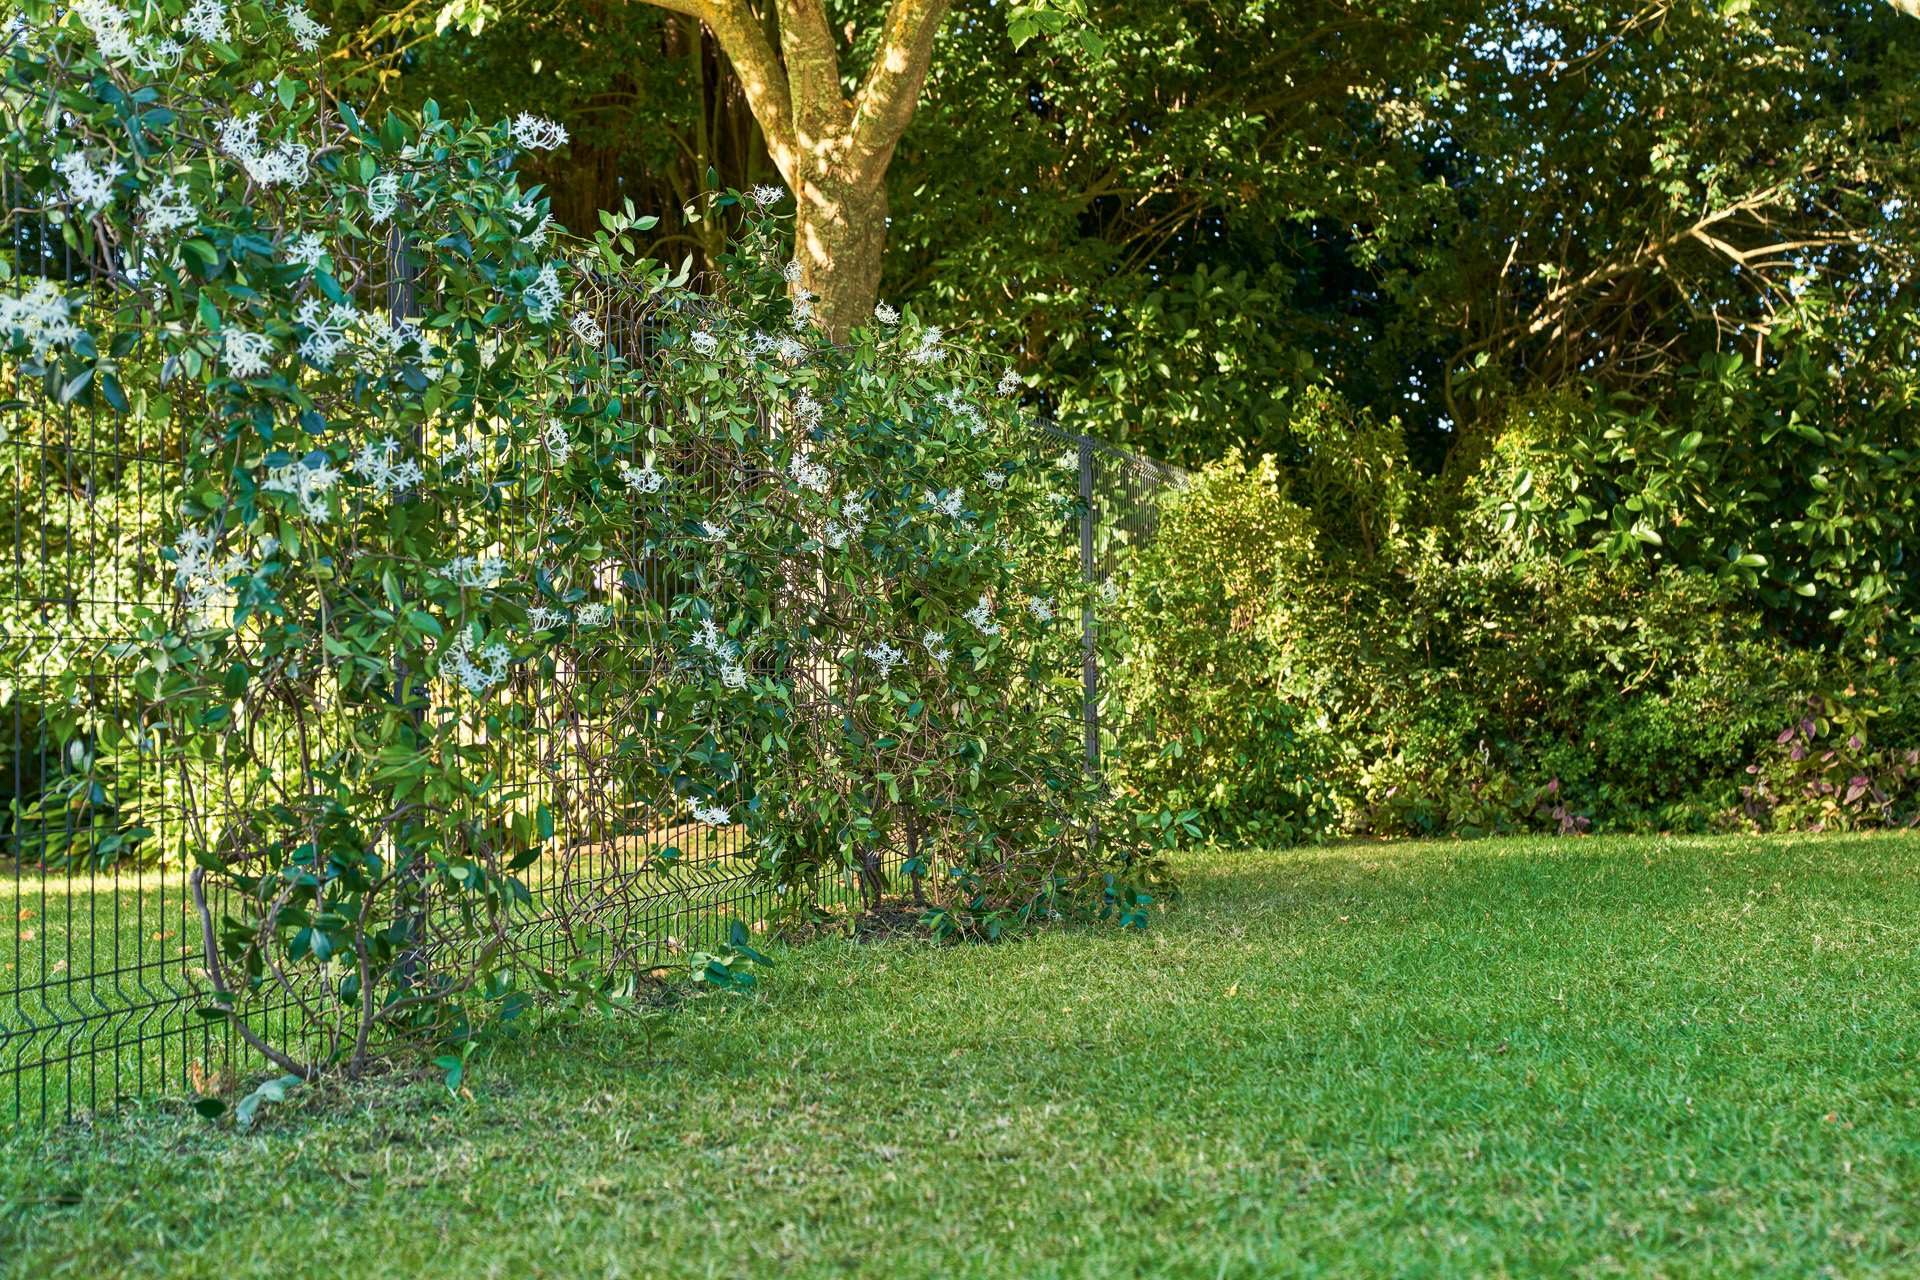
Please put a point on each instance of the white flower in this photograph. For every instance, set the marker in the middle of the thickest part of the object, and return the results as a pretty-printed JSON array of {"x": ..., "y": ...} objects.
[
  {"x": 1040, "y": 608},
  {"x": 308, "y": 485},
  {"x": 88, "y": 188},
  {"x": 477, "y": 673},
  {"x": 559, "y": 443},
  {"x": 40, "y": 316},
  {"x": 733, "y": 675},
  {"x": 489, "y": 352},
  {"x": 153, "y": 54},
  {"x": 383, "y": 197},
  {"x": 327, "y": 329},
  {"x": 936, "y": 646},
  {"x": 587, "y": 329},
  {"x": 802, "y": 309},
  {"x": 374, "y": 463},
  {"x": 981, "y": 616},
  {"x": 537, "y": 134},
  {"x": 166, "y": 207},
  {"x": 712, "y": 814},
  {"x": 994, "y": 479},
  {"x": 713, "y": 531},
  {"x": 591, "y": 615},
  {"x": 952, "y": 504},
  {"x": 537, "y": 238},
  {"x": 305, "y": 31},
  {"x": 202, "y": 578},
  {"x": 836, "y": 534},
  {"x": 1068, "y": 461},
  {"x": 246, "y": 353},
  {"x": 484, "y": 572},
  {"x": 886, "y": 657},
  {"x": 544, "y": 295},
  {"x": 765, "y": 196},
  {"x": 791, "y": 272},
  {"x": 1109, "y": 591},
  {"x": 545, "y": 618},
  {"x": 806, "y": 410},
  {"x": 392, "y": 338},
  {"x": 309, "y": 250},
  {"x": 642, "y": 480},
  {"x": 108, "y": 24},
  {"x": 207, "y": 20},
  {"x": 886, "y": 314},
  {"x": 1009, "y": 383},
  {"x": 928, "y": 352},
  {"x": 709, "y": 637},
  {"x": 705, "y": 343},
  {"x": 285, "y": 163},
  {"x": 809, "y": 474}
]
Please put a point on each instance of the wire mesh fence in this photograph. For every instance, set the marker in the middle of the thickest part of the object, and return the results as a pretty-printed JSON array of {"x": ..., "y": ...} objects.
[{"x": 103, "y": 942}]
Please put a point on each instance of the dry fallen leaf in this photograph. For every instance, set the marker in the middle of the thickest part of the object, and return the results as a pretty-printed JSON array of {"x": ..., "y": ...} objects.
[{"x": 1235, "y": 987}]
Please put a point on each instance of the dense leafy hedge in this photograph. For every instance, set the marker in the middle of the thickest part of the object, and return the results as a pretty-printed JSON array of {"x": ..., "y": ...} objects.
[{"x": 1601, "y": 618}]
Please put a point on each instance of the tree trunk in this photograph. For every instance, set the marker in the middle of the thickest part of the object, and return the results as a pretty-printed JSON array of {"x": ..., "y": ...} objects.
[
  {"x": 832, "y": 151},
  {"x": 839, "y": 237}
]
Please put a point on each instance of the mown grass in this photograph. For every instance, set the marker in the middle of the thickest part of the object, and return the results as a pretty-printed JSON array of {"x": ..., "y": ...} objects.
[{"x": 1592, "y": 1057}]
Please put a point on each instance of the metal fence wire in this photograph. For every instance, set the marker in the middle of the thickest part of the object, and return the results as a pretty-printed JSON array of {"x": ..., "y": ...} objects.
[{"x": 101, "y": 948}]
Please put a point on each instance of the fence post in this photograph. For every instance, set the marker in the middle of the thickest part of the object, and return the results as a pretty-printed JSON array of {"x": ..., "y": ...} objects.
[{"x": 1089, "y": 647}]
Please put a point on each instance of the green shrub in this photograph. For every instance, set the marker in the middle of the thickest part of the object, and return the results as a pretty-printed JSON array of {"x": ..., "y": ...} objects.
[{"x": 1330, "y": 638}]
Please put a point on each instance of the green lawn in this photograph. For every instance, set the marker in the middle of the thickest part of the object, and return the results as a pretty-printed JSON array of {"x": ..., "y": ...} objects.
[{"x": 1590, "y": 1057}]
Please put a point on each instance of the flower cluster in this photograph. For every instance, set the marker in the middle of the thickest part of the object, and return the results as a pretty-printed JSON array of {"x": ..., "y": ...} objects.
[
  {"x": 733, "y": 672},
  {"x": 307, "y": 484},
  {"x": 167, "y": 206},
  {"x": 246, "y": 353},
  {"x": 202, "y": 577},
  {"x": 477, "y": 672},
  {"x": 704, "y": 343},
  {"x": 484, "y": 572},
  {"x": 383, "y": 197},
  {"x": 374, "y": 463},
  {"x": 935, "y": 643},
  {"x": 326, "y": 326},
  {"x": 809, "y": 474},
  {"x": 587, "y": 329},
  {"x": 952, "y": 503},
  {"x": 642, "y": 480},
  {"x": 981, "y": 616},
  {"x": 544, "y": 295},
  {"x": 207, "y": 20},
  {"x": 41, "y": 317},
  {"x": 305, "y": 31},
  {"x": 713, "y": 815},
  {"x": 285, "y": 163},
  {"x": 112, "y": 32},
  {"x": 928, "y": 351},
  {"x": 88, "y": 188},
  {"x": 886, "y": 658},
  {"x": 535, "y": 134},
  {"x": 852, "y": 523},
  {"x": 1040, "y": 608},
  {"x": 544, "y": 617}
]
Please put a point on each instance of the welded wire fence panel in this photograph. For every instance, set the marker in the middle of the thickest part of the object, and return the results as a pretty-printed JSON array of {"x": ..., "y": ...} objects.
[{"x": 100, "y": 935}]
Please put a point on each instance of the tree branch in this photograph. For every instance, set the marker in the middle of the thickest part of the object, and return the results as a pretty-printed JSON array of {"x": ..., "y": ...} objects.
[{"x": 886, "y": 101}]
